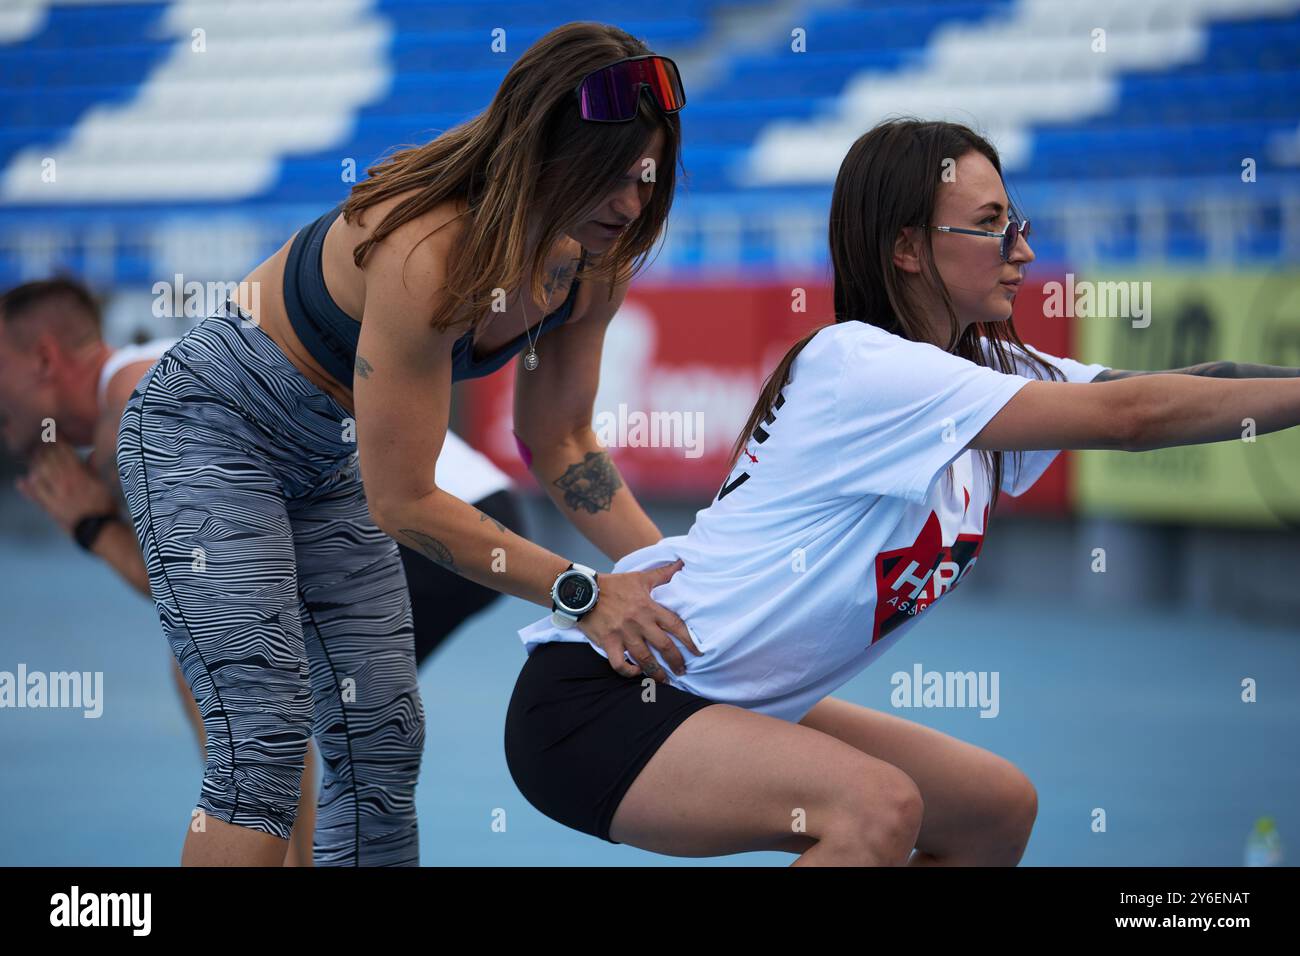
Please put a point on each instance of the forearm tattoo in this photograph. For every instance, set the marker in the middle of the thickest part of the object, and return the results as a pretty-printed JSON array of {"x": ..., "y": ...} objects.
[
  {"x": 486, "y": 517},
  {"x": 431, "y": 548},
  {"x": 363, "y": 368},
  {"x": 1210, "y": 369},
  {"x": 590, "y": 484}
]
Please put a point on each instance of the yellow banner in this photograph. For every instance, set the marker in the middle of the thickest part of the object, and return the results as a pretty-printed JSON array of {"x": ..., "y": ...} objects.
[{"x": 1137, "y": 319}]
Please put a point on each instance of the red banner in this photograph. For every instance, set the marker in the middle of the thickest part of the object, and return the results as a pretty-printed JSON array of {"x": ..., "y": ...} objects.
[{"x": 681, "y": 368}]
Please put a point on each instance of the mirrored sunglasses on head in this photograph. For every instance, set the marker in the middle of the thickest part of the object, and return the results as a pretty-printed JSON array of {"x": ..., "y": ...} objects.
[{"x": 610, "y": 94}]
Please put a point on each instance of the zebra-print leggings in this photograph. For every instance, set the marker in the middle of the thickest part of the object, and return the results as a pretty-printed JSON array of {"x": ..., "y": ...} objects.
[{"x": 285, "y": 605}]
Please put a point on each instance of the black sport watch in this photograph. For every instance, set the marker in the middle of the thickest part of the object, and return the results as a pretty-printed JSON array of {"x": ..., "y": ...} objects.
[
  {"x": 573, "y": 594},
  {"x": 89, "y": 527}
]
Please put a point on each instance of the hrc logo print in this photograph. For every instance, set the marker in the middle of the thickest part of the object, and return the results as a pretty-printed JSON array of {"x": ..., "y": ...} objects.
[{"x": 910, "y": 579}]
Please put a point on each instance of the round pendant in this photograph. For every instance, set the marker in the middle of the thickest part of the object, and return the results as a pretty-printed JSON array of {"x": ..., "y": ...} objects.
[{"x": 530, "y": 360}]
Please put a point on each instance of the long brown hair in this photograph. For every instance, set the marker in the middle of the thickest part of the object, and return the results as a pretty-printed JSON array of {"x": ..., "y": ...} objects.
[
  {"x": 528, "y": 162},
  {"x": 890, "y": 179}
]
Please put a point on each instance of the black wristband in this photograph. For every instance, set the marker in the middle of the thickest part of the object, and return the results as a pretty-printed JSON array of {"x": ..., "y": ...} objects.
[{"x": 89, "y": 527}]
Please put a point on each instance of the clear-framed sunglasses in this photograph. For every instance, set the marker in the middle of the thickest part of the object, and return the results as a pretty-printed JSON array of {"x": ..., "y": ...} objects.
[{"x": 1010, "y": 234}]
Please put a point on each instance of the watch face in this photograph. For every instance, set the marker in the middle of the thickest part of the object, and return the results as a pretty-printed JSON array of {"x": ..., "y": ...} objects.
[{"x": 574, "y": 592}]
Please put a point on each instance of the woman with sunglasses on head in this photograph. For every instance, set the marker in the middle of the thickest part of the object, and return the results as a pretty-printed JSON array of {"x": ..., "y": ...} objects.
[
  {"x": 275, "y": 571},
  {"x": 860, "y": 494}
]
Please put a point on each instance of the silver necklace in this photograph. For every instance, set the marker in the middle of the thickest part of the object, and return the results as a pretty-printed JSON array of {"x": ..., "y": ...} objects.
[{"x": 530, "y": 357}]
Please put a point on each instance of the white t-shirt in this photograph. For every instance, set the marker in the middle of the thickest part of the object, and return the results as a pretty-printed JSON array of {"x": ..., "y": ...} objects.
[
  {"x": 120, "y": 358},
  {"x": 831, "y": 535},
  {"x": 116, "y": 361},
  {"x": 466, "y": 472}
]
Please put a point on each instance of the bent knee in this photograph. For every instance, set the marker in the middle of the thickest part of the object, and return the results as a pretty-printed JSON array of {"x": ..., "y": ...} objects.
[
  {"x": 878, "y": 823},
  {"x": 1004, "y": 836},
  {"x": 268, "y": 809},
  {"x": 1021, "y": 801},
  {"x": 261, "y": 788}
]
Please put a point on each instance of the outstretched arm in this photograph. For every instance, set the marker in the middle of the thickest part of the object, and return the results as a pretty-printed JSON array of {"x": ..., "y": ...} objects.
[
  {"x": 1140, "y": 413},
  {"x": 1211, "y": 369}
]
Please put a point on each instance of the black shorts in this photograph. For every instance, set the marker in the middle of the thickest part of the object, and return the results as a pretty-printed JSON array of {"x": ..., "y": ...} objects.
[{"x": 578, "y": 733}]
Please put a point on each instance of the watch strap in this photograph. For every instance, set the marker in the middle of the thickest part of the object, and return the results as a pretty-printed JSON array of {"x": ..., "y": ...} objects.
[
  {"x": 561, "y": 617},
  {"x": 87, "y": 530}
]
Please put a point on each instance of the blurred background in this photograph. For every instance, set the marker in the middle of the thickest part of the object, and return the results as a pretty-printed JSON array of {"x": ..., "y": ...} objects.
[{"x": 1154, "y": 144}]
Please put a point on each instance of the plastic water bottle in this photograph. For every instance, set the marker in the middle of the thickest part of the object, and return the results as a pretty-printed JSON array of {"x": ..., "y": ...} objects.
[{"x": 1264, "y": 845}]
